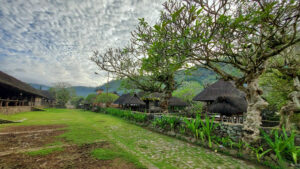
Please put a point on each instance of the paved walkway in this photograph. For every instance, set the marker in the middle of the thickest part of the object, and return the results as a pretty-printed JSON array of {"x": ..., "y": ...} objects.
[{"x": 163, "y": 151}]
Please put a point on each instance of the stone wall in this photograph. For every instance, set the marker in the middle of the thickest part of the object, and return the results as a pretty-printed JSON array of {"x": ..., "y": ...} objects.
[
  {"x": 234, "y": 131},
  {"x": 14, "y": 109}
]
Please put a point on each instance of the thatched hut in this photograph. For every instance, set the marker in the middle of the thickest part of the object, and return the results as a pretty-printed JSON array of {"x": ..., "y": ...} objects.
[
  {"x": 17, "y": 96},
  {"x": 130, "y": 101},
  {"x": 224, "y": 98},
  {"x": 176, "y": 104},
  {"x": 219, "y": 88},
  {"x": 229, "y": 106},
  {"x": 121, "y": 99},
  {"x": 153, "y": 100}
]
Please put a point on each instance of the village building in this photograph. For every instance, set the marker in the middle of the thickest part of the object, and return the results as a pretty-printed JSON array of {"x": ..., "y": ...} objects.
[
  {"x": 153, "y": 101},
  {"x": 17, "y": 96},
  {"x": 223, "y": 98},
  {"x": 130, "y": 101}
]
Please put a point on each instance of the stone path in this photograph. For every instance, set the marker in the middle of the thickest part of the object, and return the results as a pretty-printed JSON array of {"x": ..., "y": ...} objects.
[{"x": 164, "y": 151}]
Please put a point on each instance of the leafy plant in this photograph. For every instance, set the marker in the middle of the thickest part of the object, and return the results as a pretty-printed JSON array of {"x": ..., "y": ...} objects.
[
  {"x": 182, "y": 129},
  {"x": 160, "y": 122},
  {"x": 138, "y": 117},
  {"x": 291, "y": 149},
  {"x": 193, "y": 125},
  {"x": 239, "y": 145},
  {"x": 226, "y": 141},
  {"x": 282, "y": 144},
  {"x": 172, "y": 121},
  {"x": 208, "y": 127},
  {"x": 259, "y": 151}
]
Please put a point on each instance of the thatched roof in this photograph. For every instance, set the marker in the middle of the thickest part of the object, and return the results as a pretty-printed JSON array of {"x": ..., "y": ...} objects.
[
  {"x": 121, "y": 99},
  {"x": 175, "y": 101},
  {"x": 129, "y": 99},
  {"x": 16, "y": 84},
  {"x": 133, "y": 100},
  {"x": 228, "y": 105},
  {"x": 219, "y": 88}
]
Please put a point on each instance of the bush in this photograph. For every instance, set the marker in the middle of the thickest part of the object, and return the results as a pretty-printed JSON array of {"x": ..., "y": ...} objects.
[
  {"x": 282, "y": 145},
  {"x": 107, "y": 98}
]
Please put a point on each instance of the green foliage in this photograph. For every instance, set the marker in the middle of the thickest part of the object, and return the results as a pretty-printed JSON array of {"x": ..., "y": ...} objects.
[
  {"x": 106, "y": 98},
  {"x": 44, "y": 152},
  {"x": 90, "y": 98},
  {"x": 259, "y": 151},
  {"x": 276, "y": 87},
  {"x": 77, "y": 101},
  {"x": 193, "y": 126},
  {"x": 128, "y": 115},
  {"x": 208, "y": 127},
  {"x": 282, "y": 145},
  {"x": 188, "y": 90},
  {"x": 160, "y": 122},
  {"x": 62, "y": 93},
  {"x": 226, "y": 141},
  {"x": 239, "y": 145}
]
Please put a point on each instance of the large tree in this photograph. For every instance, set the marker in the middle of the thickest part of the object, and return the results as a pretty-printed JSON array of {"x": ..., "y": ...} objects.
[
  {"x": 149, "y": 64},
  {"x": 244, "y": 34},
  {"x": 62, "y": 92},
  {"x": 288, "y": 64}
]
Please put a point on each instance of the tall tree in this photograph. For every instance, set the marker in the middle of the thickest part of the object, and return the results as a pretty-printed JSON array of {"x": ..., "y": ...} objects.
[
  {"x": 288, "y": 63},
  {"x": 149, "y": 63},
  {"x": 62, "y": 92},
  {"x": 244, "y": 34}
]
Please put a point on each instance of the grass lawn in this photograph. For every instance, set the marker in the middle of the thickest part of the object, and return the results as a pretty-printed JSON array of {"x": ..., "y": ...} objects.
[{"x": 128, "y": 142}]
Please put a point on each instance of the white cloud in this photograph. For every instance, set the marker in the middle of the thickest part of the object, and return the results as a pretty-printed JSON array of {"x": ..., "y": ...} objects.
[{"x": 48, "y": 41}]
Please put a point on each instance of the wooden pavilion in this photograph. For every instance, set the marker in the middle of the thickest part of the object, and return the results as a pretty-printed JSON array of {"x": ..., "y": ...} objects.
[{"x": 17, "y": 96}]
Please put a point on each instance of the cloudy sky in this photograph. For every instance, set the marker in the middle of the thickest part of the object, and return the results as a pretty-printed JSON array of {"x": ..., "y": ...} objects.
[{"x": 49, "y": 41}]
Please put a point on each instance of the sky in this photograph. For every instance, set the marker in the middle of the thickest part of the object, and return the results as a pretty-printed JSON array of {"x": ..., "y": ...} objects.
[{"x": 50, "y": 41}]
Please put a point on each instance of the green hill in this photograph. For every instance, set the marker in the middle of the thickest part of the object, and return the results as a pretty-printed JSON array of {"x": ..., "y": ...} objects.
[{"x": 200, "y": 75}]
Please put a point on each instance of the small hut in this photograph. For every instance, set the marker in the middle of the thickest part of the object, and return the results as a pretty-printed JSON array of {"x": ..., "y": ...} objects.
[
  {"x": 176, "y": 104},
  {"x": 153, "y": 101},
  {"x": 229, "y": 106},
  {"x": 223, "y": 94},
  {"x": 121, "y": 99},
  {"x": 219, "y": 88},
  {"x": 130, "y": 101}
]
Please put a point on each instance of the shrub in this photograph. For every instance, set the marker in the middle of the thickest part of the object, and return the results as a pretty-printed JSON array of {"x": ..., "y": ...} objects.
[{"x": 282, "y": 145}]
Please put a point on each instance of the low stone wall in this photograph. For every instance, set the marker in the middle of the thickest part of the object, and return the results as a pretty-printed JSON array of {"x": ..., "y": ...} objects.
[
  {"x": 233, "y": 131},
  {"x": 14, "y": 109}
]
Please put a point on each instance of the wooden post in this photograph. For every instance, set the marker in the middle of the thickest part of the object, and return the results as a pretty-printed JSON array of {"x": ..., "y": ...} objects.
[
  {"x": 1, "y": 103},
  {"x": 32, "y": 102},
  {"x": 7, "y": 102}
]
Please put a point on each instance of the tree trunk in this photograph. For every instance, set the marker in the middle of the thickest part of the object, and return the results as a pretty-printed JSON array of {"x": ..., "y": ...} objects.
[
  {"x": 253, "y": 116},
  {"x": 293, "y": 105},
  {"x": 165, "y": 102}
]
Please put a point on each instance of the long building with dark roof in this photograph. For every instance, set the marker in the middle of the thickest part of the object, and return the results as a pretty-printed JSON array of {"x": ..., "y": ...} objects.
[{"x": 17, "y": 96}]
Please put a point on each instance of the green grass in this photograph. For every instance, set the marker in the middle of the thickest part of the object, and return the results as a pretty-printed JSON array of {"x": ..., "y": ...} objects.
[
  {"x": 45, "y": 151},
  {"x": 127, "y": 141}
]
